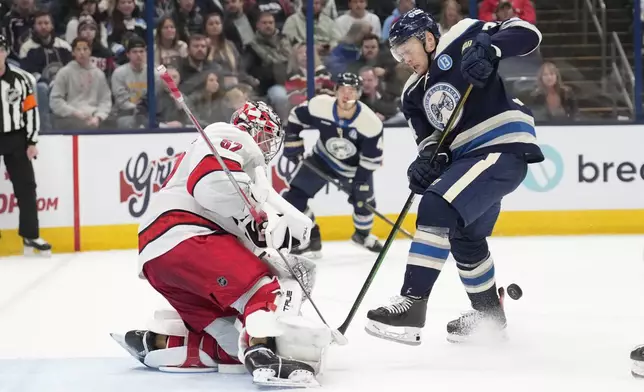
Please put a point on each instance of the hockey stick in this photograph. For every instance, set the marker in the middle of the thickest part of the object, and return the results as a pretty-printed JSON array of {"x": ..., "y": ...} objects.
[
  {"x": 257, "y": 216},
  {"x": 339, "y": 185},
  {"x": 401, "y": 218}
]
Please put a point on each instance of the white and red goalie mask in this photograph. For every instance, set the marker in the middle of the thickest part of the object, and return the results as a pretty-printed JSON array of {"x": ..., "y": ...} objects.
[{"x": 263, "y": 124}]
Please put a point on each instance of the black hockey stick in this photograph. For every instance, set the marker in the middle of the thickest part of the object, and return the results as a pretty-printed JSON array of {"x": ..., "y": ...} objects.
[
  {"x": 401, "y": 218},
  {"x": 339, "y": 185}
]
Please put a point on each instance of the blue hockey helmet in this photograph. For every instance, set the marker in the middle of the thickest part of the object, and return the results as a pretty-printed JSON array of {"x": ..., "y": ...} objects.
[{"x": 413, "y": 23}]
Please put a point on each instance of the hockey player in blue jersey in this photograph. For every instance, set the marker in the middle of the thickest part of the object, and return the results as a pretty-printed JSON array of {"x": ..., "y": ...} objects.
[
  {"x": 349, "y": 149},
  {"x": 483, "y": 158}
]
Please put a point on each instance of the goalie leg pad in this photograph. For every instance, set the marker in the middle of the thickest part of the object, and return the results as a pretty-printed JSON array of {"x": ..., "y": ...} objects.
[{"x": 304, "y": 340}]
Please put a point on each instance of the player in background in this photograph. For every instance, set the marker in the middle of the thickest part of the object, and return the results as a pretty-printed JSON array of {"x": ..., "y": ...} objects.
[
  {"x": 349, "y": 149},
  {"x": 484, "y": 158},
  {"x": 637, "y": 355},
  {"x": 200, "y": 248}
]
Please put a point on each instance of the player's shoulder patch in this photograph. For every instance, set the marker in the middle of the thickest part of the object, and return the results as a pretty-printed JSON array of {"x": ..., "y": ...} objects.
[
  {"x": 454, "y": 34},
  {"x": 321, "y": 106},
  {"x": 368, "y": 124}
]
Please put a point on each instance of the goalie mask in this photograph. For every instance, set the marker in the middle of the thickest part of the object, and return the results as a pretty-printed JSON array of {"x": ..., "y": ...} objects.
[{"x": 263, "y": 124}]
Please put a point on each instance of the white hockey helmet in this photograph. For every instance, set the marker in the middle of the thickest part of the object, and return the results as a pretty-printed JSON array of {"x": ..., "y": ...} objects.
[{"x": 263, "y": 124}]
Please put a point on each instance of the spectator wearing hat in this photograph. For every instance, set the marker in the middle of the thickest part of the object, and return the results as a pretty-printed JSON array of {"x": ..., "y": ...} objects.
[
  {"x": 87, "y": 7},
  {"x": 80, "y": 97},
  {"x": 129, "y": 85},
  {"x": 102, "y": 57},
  {"x": 43, "y": 55}
]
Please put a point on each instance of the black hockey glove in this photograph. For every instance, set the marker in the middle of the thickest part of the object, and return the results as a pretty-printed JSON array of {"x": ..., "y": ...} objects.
[
  {"x": 293, "y": 147},
  {"x": 361, "y": 191},
  {"x": 421, "y": 173},
  {"x": 479, "y": 61}
]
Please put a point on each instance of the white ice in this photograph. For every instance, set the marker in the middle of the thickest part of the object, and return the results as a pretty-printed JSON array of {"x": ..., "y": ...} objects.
[{"x": 581, "y": 313}]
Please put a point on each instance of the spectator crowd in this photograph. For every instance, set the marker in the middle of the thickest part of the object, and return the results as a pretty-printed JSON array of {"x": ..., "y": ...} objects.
[{"x": 89, "y": 56}]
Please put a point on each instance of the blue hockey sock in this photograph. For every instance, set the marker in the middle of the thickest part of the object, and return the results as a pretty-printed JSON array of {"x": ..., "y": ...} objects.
[
  {"x": 427, "y": 255},
  {"x": 479, "y": 282}
]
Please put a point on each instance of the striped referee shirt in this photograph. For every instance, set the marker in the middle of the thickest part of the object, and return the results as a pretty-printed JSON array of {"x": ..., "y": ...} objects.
[{"x": 18, "y": 108}]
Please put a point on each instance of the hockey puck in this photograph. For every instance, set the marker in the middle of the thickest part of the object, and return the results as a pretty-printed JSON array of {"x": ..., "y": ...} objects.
[{"x": 514, "y": 291}]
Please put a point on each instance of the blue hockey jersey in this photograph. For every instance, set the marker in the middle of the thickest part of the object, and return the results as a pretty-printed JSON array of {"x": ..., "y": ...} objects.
[
  {"x": 491, "y": 121},
  {"x": 344, "y": 144}
]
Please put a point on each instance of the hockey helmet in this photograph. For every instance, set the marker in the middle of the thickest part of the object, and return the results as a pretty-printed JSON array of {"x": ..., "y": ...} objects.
[
  {"x": 263, "y": 124},
  {"x": 413, "y": 23},
  {"x": 349, "y": 79}
]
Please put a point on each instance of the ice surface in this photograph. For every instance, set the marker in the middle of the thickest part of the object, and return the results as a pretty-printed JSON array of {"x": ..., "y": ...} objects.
[{"x": 581, "y": 314}]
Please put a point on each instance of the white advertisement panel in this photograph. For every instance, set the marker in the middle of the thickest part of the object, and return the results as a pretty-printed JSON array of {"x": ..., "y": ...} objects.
[
  {"x": 586, "y": 168},
  {"x": 54, "y": 179},
  {"x": 120, "y": 173}
]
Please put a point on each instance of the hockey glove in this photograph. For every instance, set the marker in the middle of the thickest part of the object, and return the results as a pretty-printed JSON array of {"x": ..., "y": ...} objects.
[
  {"x": 479, "y": 61},
  {"x": 293, "y": 147},
  {"x": 422, "y": 173}
]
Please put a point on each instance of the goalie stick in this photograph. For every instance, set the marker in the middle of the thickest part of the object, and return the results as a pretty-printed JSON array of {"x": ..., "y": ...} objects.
[
  {"x": 410, "y": 200},
  {"x": 257, "y": 216},
  {"x": 339, "y": 185}
]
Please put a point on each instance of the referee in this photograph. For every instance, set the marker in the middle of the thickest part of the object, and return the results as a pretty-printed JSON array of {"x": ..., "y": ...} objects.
[{"x": 18, "y": 137}]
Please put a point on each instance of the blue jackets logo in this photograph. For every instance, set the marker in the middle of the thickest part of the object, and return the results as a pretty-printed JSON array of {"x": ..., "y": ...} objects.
[
  {"x": 546, "y": 175},
  {"x": 440, "y": 101}
]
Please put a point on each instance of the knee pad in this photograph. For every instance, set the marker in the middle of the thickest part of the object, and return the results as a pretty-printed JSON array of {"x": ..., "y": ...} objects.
[
  {"x": 469, "y": 251},
  {"x": 434, "y": 211}
]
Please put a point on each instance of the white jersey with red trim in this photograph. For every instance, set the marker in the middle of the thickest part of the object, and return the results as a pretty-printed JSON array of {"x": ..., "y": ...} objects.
[{"x": 198, "y": 198}]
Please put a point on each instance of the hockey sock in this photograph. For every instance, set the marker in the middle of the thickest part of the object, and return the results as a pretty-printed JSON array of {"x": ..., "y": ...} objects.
[
  {"x": 363, "y": 223},
  {"x": 480, "y": 284},
  {"x": 427, "y": 255}
]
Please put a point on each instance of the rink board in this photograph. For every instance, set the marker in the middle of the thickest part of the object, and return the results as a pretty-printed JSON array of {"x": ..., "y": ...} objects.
[{"x": 93, "y": 189}]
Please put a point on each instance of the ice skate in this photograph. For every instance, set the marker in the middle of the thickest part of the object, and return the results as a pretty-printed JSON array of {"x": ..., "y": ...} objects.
[
  {"x": 271, "y": 370},
  {"x": 404, "y": 312},
  {"x": 637, "y": 355},
  {"x": 314, "y": 249},
  {"x": 474, "y": 325},
  {"x": 137, "y": 342},
  {"x": 369, "y": 242},
  {"x": 36, "y": 246}
]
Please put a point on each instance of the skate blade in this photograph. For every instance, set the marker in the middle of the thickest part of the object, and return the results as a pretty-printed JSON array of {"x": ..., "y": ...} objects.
[
  {"x": 411, "y": 337},
  {"x": 359, "y": 245},
  {"x": 265, "y": 378},
  {"x": 33, "y": 252},
  {"x": 479, "y": 338},
  {"x": 638, "y": 369},
  {"x": 120, "y": 339}
]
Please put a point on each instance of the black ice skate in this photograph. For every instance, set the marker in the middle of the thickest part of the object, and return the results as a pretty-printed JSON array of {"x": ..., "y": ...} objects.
[
  {"x": 314, "y": 249},
  {"x": 370, "y": 242},
  {"x": 269, "y": 369},
  {"x": 406, "y": 312},
  {"x": 637, "y": 355},
  {"x": 478, "y": 325},
  {"x": 138, "y": 343},
  {"x": 36, "y": 246}
]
